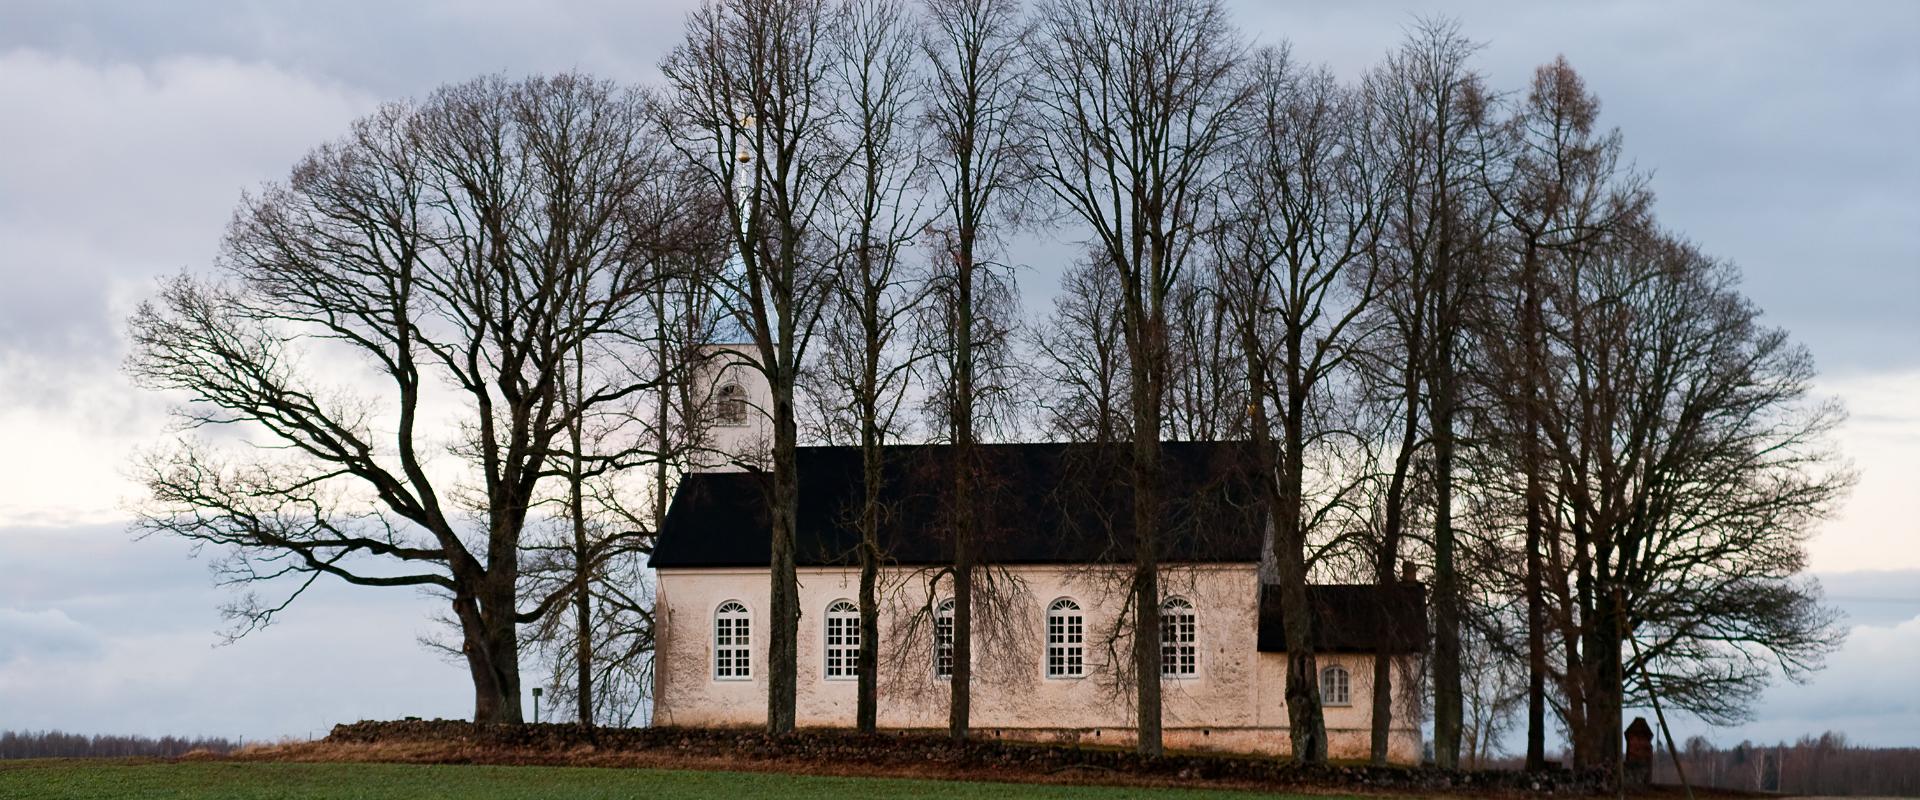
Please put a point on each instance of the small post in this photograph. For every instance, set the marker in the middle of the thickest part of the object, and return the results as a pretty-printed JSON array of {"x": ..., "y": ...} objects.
[
  {"x": 536, "y": 705},
  {"x": 1639, "y": 768}
]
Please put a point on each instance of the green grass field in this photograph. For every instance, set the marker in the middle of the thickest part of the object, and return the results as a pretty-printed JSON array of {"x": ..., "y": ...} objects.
[{"x": 85, "y": 780}]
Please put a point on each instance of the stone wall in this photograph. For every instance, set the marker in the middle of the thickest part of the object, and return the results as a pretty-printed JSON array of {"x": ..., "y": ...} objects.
[{"x": 905, "y": 750}]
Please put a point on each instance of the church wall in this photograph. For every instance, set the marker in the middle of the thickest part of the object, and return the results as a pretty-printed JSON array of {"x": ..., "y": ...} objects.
[{"x": 1234, "y": 704}]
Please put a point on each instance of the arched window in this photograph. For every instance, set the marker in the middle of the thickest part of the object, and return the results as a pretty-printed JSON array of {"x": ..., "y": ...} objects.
[
  {"x": 943, "y": 639},
  {"x": 732, "y": 642},
  {"x": 1066, "y": 640},
  {"x": 731, "y": 405},
  {"x": 1179, "y": 646},
  {"x": 1334, "y": 688},
  {"x": 843, "y": 640}
]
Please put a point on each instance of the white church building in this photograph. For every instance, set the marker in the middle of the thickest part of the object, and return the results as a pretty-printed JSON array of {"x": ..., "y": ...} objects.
[{"x": 1051, "y": 659}]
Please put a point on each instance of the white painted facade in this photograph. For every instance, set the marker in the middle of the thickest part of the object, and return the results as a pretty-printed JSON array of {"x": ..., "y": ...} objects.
[{"x": 1235, "y": 701}]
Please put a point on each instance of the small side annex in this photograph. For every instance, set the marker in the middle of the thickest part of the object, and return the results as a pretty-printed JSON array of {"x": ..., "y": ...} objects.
[{"x": 1050, "y": 649}]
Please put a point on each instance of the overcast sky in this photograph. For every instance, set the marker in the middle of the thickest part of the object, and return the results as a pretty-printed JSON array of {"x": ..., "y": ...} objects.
[{"x": 1781, "y": 137}]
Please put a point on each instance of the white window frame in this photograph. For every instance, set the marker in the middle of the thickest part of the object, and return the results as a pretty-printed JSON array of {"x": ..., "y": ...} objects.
[
  {"x": 1336, "y": 686},
  {"x": 1066, "y": 640},
  {"x": 730, "y": 405},
  {"x": 1179, "y": 640},
  {"x": 732, "y": 642},
  {"x": 840, "y": 641},
  {"x": 943, "y": 640}
]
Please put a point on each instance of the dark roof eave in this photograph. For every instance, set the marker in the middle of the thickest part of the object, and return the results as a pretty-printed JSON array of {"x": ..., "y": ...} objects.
[
  {"x": 1352, "y": 618},
  {"x": 681, "y": 567}
]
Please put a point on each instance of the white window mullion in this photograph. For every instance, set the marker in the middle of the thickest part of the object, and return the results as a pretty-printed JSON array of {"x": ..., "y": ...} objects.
[
  {"x": 1179, "y": 639},
  {"x": 943, "y": 639},
  {"x": 842, "y": 641},
  {"x": 1066, "y": 640},
  {"x": 732, "y": 642}
]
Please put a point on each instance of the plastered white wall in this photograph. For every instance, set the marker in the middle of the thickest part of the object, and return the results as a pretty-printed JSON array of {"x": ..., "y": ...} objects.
[
  {"x": 1236, "y": 703},
  {"x": 730, "y": 446}
]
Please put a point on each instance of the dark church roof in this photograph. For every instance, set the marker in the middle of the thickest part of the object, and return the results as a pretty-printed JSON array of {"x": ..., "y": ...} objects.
[
  {"x": 1038, "y": 504},
  {"x": 1352, "y": 618}
]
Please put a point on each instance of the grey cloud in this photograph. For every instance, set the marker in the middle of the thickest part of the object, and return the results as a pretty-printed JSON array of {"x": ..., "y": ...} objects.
[
  {"x": 395, "y": 49},
  {"x": 99, "y": 633},
  {"x": 46, "y": 634},
  {"x": 1861, "y": 691},
  {"x": 1857, "y": 693},
  {"x": 1878, "y": 598},
  {"x": 1778, "y": 136},
  {"x": 117, "y": 173}
]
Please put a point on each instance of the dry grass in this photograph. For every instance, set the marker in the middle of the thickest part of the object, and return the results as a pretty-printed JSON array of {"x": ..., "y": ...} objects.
[
  {"x": 455, "y": 752},
  {"x": 588, "y": 756}
]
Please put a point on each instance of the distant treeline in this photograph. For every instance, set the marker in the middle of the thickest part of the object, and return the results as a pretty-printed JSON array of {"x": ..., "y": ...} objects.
[
  {"x": 55, "y": 744},
  {"x": 1823, "y": 765}
]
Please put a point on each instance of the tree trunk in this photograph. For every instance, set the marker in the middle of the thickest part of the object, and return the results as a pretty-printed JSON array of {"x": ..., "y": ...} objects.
[
  {"x": 582, "y": 603},
  {"x": 1146, "y": 575},
  {"x": 1581, "y": 707},
  {"x": 784, "y": 599},
  {"x": 1446, "y": 586},
  {"x": 1306, "y": 721},
  {"x": 960, "y": 695},
  {"x": 1604, "y": 699},
  {"x": 867, "y": 704},
  {"x": 1531, "y": 387},
  {"x": 583, "y": 653},
  {"x": 867, "y": 666},
  {"x": 1146, "y": 643},
  {"x": 583, "y": 571},
  {"x": 960, "y": 684},
  {"x": 1385, "y": 561},
  {"x": 491, "y": 645},
  {"x": 1536, "y": 622}
]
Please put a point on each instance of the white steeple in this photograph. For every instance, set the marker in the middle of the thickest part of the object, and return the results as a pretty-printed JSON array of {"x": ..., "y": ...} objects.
[{"x": 739, "y": 425}]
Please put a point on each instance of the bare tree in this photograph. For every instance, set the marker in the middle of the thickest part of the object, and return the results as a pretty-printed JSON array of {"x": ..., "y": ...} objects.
[
  {"x": 1293, "y": 254},
  {"x": 458, "y": 253},
  {"x": 1495, "y": 688},
  {"x": 1431, "y": 105},
  {"x": 862, "y": 378},
  {"x": 750, "y": 109},
  {"x": 600, "y": 657},
  {"x": 1083, "y": 362},
  {"x": 975, "y": 104},
  {"x": 1558, "y": 185},
  {"x": 1206, "y": 394},
  {"x": 1135, "y": 98},
  {"x": 1388, "y": 373},
  {"x": 1689, "y": 464}
]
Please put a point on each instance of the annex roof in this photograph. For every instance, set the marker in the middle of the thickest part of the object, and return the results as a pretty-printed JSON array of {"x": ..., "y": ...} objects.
[{"x": 1352, "y": 618}]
